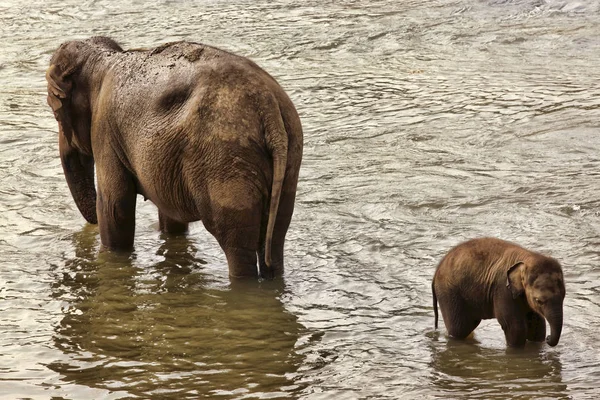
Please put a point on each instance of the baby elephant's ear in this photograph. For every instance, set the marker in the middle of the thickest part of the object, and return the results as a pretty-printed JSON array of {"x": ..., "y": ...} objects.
[{"x": 514, "y": 279}]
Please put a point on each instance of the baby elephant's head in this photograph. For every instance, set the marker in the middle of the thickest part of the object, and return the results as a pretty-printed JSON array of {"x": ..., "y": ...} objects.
[{"x": 540, "y": 280}]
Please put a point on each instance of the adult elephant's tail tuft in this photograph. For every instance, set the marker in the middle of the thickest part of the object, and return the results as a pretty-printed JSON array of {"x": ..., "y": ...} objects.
[{"x": 277, "y": 144}]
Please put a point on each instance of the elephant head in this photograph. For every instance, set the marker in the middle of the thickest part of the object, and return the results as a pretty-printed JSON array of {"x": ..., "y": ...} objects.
[
  {"x": 73, "y": 79},
  {"x": 540, "y": 280}
]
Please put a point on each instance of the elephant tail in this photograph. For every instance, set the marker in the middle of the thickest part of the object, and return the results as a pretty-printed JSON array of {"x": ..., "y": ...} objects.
[
  {"x": 277, "y": 143},
  {"x": 435, "y": 307}
]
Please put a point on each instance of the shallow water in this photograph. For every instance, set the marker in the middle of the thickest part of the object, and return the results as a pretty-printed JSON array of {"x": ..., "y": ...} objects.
[{"x": 426, "y": 123}]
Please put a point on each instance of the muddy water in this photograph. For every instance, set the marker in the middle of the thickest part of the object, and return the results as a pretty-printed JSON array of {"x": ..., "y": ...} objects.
[{"x": 426, "y": 123}]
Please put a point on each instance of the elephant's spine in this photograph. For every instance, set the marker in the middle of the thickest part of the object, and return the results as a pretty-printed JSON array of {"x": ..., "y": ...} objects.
[{"x": 277, "y": 143}]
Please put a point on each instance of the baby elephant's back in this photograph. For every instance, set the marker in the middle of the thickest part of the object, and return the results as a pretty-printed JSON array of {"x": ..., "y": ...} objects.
[{"x": 474, "y": 266}]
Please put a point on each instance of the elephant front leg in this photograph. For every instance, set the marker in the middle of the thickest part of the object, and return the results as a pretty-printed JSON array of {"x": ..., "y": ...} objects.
[
  {"x": 536, "y": 327},
  {"x": 171, "y": 226},
  {"x": 115, "y": 207}
]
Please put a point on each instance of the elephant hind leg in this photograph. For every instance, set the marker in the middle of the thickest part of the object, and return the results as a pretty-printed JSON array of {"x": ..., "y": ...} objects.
[
  {"x": 242, "y": 262},
  {"x": 240, "y": 245},
  {"x": 282, "y": 223},
  {"x": 171, "y": 226},
  {"x": 459, "y": 317},
  {"x": 238, "y": 234},
  {"x": 462, "y": 326},
  {"x": 235, "y": 215}
]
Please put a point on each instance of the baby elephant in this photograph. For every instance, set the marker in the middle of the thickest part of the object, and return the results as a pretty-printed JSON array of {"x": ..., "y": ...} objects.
[{"x": 491, "y": 278}]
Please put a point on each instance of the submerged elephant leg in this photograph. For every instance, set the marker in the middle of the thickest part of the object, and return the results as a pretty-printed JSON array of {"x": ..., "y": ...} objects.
[
  {"x": 536, "y": 327},
  {"x": 512, "y": 319},
  {"x": 116, "y": 220},
  {"x": 459, "y": 318},
  {"x": 515, "y": 331},
  {"x": 237, "y": 229},
  {"x": 240, "y": 245},
  {"x": 282, "y": 223},
  {"x": 242, "y": 262},
  {"x": 116, "y": 207},
  {"x": 171, "y": 226}
]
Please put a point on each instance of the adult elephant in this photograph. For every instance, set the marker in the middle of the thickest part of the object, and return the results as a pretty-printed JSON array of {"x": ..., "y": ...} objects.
[{"x": 203, "y": 133}]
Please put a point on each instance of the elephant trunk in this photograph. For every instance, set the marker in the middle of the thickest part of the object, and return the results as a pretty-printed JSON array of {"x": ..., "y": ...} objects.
[
  {"x": 79, "y": 172},
  {"x": 555, "y": 320}
]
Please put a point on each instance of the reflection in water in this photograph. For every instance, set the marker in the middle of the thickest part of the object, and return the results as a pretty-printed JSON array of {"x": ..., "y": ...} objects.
[
  {"x": 460, "y": 367},
  {"x": 163, "y": 330}
]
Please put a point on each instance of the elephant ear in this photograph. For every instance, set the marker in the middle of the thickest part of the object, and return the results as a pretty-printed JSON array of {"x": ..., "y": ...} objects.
[
  {"x": 514, "y": 279},
  {"x": 59, "y": 98},
  {"x": 59, "y": 87}
]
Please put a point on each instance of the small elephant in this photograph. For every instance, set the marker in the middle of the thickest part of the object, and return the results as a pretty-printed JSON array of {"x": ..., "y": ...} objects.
[
  {"x": 204, "y": 134},
  {"x": 490, "y": 278}
]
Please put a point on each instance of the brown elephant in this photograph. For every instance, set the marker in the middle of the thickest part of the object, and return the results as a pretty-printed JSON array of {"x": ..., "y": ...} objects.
[
  {"x": 204, "y": 134},
  {"x": 491, "y": 278}
]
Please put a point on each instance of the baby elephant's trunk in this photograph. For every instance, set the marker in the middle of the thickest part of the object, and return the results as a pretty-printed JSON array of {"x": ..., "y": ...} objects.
[{"x": 555, "y": 320}]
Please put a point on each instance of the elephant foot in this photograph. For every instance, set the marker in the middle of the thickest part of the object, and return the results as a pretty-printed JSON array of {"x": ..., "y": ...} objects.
[{"x": 241, "y": 262}]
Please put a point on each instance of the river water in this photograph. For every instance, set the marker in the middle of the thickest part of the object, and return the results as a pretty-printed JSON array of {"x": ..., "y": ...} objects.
[{"x": 426, "y": 123}]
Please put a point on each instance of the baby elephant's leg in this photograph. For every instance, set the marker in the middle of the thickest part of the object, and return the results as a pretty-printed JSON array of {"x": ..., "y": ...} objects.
[
  {"x": 536, "y": 327},
  {"x": 459, "y": 317},
  {"x": 515, "y": 331}
]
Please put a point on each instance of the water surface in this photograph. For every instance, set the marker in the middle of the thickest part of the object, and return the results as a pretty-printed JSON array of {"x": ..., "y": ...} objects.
[{"x": 426, "y": 123}]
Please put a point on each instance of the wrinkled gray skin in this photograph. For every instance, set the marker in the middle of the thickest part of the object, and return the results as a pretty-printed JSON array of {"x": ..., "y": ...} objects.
[
  {"x": 490, "y": 278},
  {"x": 204, "y": 134}
]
